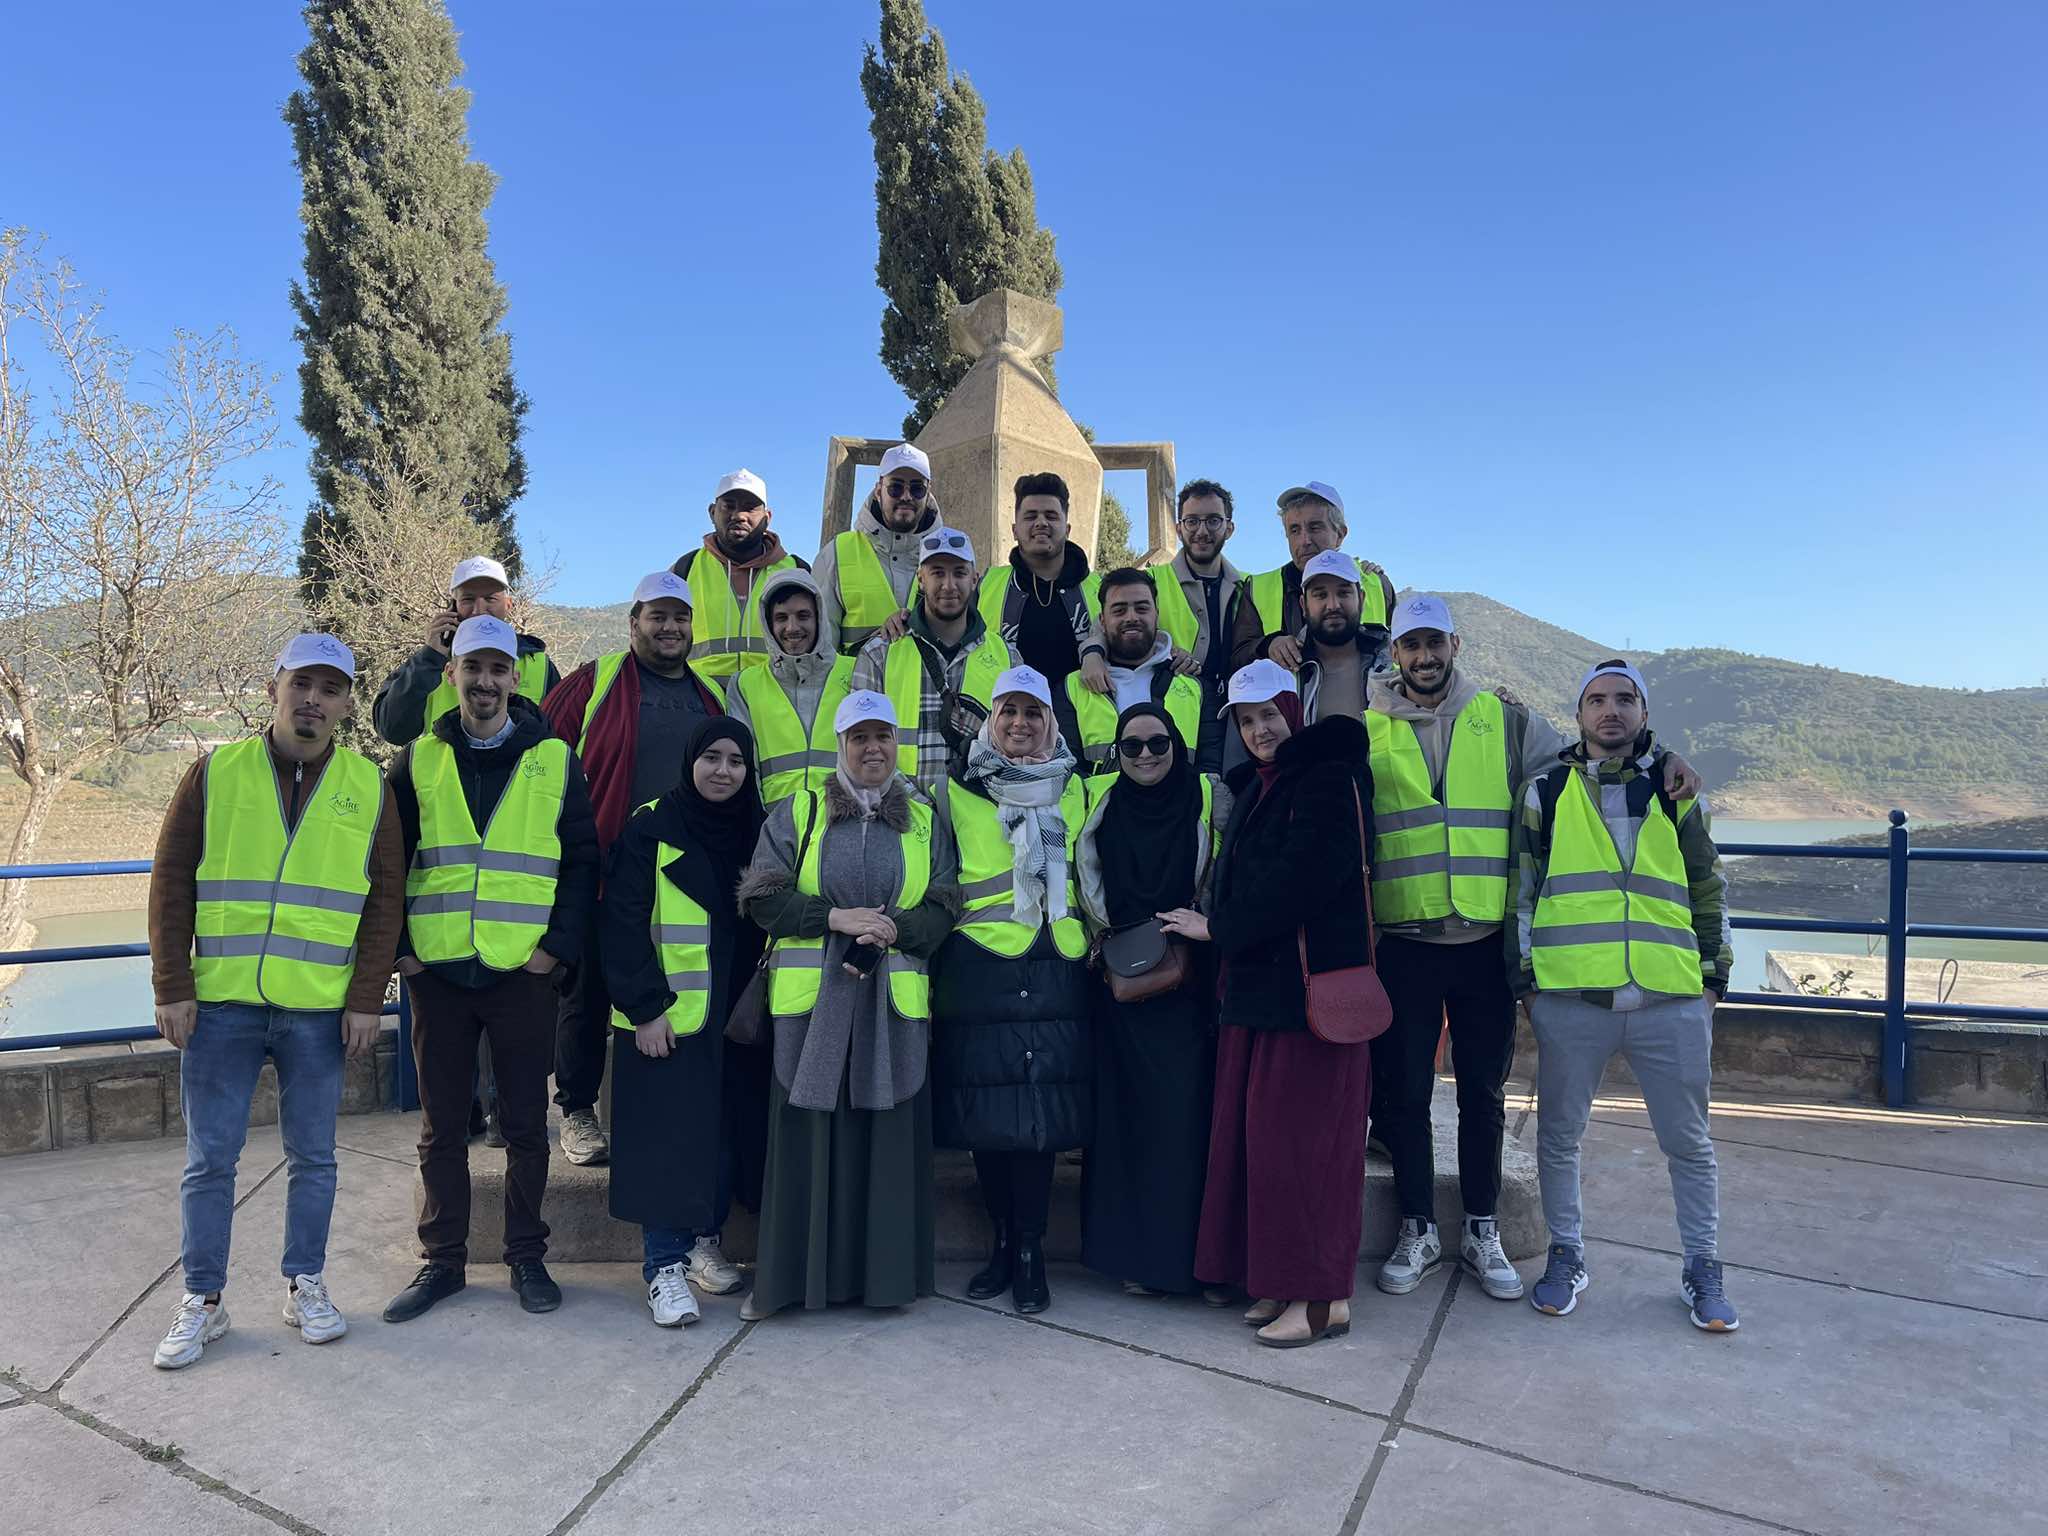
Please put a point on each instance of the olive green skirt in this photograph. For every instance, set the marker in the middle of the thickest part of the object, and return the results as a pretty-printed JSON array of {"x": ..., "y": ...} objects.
[{"x": 847, "y": 1205}]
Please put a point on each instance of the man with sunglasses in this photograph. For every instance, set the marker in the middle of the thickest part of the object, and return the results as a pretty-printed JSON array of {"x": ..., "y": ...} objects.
[
  {"x": 739, "y": 552},
  {"x": 868, "y": 574}
]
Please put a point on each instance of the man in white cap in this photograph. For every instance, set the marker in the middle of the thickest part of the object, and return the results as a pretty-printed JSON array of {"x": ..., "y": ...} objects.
[
  {"x": 940, "y": 673},
  {"x": 629, "y": 714},
  {"x": 275, "y": 902},
  {"x": 1621, "y": 943},
  {"x": 500, "y": 890},
  {"x": 788, "y": 705},
  {"x": 739, "y": 551},
  {"x": 1269, "y": 618},
  {"x": 868, "y": 574},
  {"x": 418, "y": 691},
  {"x": 1041, "y": 600}
]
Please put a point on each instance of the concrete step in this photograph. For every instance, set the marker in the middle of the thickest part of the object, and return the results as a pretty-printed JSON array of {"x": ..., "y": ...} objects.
[{"x": 583, "y": 1230}]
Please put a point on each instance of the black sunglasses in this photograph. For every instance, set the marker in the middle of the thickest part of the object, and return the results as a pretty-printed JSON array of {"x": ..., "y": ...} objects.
[
  {"x": 907, "y": 490},
  {"x": 1135, "y": 747}
]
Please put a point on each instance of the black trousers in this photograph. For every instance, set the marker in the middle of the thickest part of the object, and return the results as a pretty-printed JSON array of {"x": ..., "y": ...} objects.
[
  {"x": 1424, "y": 982},
  {"x": 517, "y": 1014},
  {"x": 1017, "y": 1188},
  {"x": 583, "y": 1033}
]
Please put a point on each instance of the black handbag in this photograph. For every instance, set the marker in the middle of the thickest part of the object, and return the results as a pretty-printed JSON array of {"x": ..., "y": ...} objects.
[{"x": 1141, "y": 961}]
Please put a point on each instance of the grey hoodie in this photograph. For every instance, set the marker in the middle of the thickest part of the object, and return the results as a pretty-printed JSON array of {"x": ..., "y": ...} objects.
[
  {"x": 800, "y": 677},
  {"x": 898, "y": 554}
]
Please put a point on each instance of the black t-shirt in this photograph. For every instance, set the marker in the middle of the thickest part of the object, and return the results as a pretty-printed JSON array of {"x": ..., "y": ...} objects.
[
  {"x": 670, "y": 710},
  {"x": 1045, "y": 631}
]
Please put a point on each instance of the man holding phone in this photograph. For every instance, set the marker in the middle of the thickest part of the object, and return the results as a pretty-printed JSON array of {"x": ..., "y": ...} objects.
[{"x": 418, "y": 692}]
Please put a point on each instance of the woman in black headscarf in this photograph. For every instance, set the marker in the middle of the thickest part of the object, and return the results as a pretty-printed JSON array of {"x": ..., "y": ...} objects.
[
  {"x": 1146, "y": 851},
  {"x": 677, "y": 951}
]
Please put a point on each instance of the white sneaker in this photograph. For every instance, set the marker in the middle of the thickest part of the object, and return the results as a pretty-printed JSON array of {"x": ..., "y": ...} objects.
[
  {"x": 308, "y": 1309},
  {"x": 583, "y": 1139},
  {"x": 196, "y": 1326},
  {"x": 1482, "y": 1254},
  {"x": 670, "y": 1298},
  {"x": 1418, "y": 1252},
  {"x": 711, "y": 1271}
]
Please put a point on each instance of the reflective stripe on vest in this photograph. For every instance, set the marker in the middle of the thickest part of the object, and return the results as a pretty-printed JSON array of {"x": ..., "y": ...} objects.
[
  {"x": 1268, "y": 592},
  {"x": 724, "y": 635},
  {"x": 1430, "y": 859},
  {"x": 681, "y": 931},
  {"x": 1096, "y": 714},
  {"x": 277, "y": 912},
  {"x": 866, "y": 599},
  {"x": 789, "y": 760},
  {"x": 987, "y": 874},
  {"x": 1596, "y": 929},
  {"x": 903, "y": 682},
  {"x": 489, "y": 897},
  {"x": 533, "y": 684},
  {"x": 796, "y": 966}
]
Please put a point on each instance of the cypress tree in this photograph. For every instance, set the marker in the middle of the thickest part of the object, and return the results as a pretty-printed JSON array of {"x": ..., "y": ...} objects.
[
  {"x": 955, "y": 219},
  {"x": 408, "y": 368}
]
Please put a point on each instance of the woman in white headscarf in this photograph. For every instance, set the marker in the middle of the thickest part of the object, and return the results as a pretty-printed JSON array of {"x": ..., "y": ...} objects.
[{"x": 1011, "y": 1071}]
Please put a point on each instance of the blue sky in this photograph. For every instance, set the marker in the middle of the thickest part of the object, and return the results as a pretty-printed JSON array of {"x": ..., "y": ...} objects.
[{"x": 1676, "y": 325}]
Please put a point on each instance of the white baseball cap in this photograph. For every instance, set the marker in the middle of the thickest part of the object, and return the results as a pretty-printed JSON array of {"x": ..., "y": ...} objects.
[
  {"x": 950, "y": 542},
  {"x": 1615, "y": 669},
  {"x": 743, "y": 480},
  {"x": 1257, "y": 682},
  {"x": 1331, "y": 562},
  {"x": 484, "y": 633},
  {"x": 862, "y": 704},
  {"x": 478, "y": 568},
  {"x": 1321, "y": 488},
  {"x": 663, "y": 584},
  {"x": 1422, "y": 611},
  {"x": 903, "y": 456},
  {"x": 1024, "y": 680},
  {"x": 317, "y": 651}
]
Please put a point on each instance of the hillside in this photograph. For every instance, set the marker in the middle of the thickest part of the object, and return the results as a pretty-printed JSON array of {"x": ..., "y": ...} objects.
[{"x": 2005, "y": 895}]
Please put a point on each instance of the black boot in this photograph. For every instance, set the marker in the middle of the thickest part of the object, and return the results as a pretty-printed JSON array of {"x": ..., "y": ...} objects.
[
  {"x": 994, "y": 1276},
  {"x": 534, "y": 1286},
  {"x": 1028, "y": 1289},
  {"x": 434, "y": 1282}
]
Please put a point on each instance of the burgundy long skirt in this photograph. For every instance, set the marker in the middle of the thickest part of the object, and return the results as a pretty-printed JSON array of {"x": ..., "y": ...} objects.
[{"x": 1283, "y": 1204}]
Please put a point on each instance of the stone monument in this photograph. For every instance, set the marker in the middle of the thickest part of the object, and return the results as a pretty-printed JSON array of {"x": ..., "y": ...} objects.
[{"x": 1001, "y": 421}]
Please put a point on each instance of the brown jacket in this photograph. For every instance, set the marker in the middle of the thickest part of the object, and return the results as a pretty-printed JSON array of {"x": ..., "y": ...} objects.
[{"x": 173, "y": 889}]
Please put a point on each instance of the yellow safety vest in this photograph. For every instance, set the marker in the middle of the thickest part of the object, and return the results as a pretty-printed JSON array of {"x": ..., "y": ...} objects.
[
  {"x": 278, "y": 909},
  {"x": 1268, "y": 592},
  {"x": 903, "y": 682},
  {"x": 533, "y": 684},
  {"x": 866, "y": 599},
  {"x": 1429, "y": 858},
  {"x": 489, "y": 897},
  {"x": 1176, "y": 618},
  {"x": 1596, "y": 929},
  {"x": 796, "y": 966},
  {"x": 725, "y": 636},
  {"x": 789, "y": 759},
  {"x": 995, "y": 587},
  {"x": 988, "y": 874},
  {"x": 1095, "y": 716},
  {"x": 681, "y": 931},
  {"x": 605, "y": 672},
  {"x": 1208, "y": 783}
]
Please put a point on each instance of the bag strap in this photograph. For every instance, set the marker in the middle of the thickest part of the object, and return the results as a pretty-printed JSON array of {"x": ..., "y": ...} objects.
[{"x": 1365, "y": 871}]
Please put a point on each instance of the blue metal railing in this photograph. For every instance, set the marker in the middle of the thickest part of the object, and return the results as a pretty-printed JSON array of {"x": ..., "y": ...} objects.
[{"x": 405, "y": 1079}]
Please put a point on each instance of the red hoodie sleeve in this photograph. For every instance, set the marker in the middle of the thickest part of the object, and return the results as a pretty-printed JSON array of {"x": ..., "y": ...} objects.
[{"x": 565, "y": 702}]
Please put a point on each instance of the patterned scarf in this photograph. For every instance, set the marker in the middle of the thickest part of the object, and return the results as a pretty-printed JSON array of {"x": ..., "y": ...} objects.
[{"x": 1027, "y": 800}]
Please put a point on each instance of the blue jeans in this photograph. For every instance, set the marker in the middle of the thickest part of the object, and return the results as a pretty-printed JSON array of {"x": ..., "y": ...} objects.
[
  {"x": 663, "y": 1246},
  {"x": 216, "y": 1083}
]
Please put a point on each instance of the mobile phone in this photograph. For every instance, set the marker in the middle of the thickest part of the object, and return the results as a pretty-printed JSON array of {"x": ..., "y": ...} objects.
[{"x": 863, "y": 957}]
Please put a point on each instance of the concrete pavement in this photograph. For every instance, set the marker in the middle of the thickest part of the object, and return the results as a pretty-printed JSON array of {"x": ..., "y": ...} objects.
[{"x": 1891, "y": 1272}]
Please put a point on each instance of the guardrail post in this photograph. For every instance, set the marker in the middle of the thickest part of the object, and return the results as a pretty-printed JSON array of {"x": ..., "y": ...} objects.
[
  {"x": 407, "y": 1077},
  {"x": 1895, "y": 1027}
]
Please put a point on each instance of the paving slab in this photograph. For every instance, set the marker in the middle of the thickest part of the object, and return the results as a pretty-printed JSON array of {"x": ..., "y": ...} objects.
[
  {"x": 1365, "y": 1369},
  {"x": 390, "y": 1429},
  {"x": 1434, "y": 1485},
  {"x": 1831, "y": 1411},
  {"x": 57, "y": 1476},
  {"x": 104, "y": 1222},
  {"x": 945, "y": 1417},
  {"x": 1930, "y": 1235}
]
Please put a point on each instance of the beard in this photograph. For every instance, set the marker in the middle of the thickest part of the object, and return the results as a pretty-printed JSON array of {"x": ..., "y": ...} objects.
[
  {"x": 1128, "y": 650},
  {"x": 747, "y": 548},
  {"x": 1345, "y": 631}
]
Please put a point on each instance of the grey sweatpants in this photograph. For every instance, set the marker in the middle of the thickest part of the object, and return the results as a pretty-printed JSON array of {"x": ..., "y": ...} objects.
[{"x": 1670, "y": 1048}]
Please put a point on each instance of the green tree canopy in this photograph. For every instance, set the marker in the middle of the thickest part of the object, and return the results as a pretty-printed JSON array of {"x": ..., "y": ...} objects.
[
  {"x": 955, "y": 220},
  {"x": 407, "y": 363}
]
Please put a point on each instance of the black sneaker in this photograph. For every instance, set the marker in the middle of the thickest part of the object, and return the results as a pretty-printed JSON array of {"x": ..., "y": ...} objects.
[
  {"x": 434, "y": 1282},
  {"x": 537, "y": 1292}
]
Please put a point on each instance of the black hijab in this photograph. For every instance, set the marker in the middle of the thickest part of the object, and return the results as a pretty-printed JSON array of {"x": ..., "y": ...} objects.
[
  {"x": 721, "y": 833},
  {"x": 1146, "y": 839}
]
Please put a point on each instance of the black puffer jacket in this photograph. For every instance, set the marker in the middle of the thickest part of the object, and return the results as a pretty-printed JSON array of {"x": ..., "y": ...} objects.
[{"x": 1292, "y": 860}]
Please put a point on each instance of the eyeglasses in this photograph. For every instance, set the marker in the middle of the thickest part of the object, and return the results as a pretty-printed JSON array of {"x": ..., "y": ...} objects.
[
  {"x": 1209, "y": 524},
  {"x": 907, "y": 490},
  {"x": 1135, "y": 747}
]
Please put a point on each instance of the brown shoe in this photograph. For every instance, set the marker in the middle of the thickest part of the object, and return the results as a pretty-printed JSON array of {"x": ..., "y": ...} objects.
[{"x": 1260, "y": 1313}]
